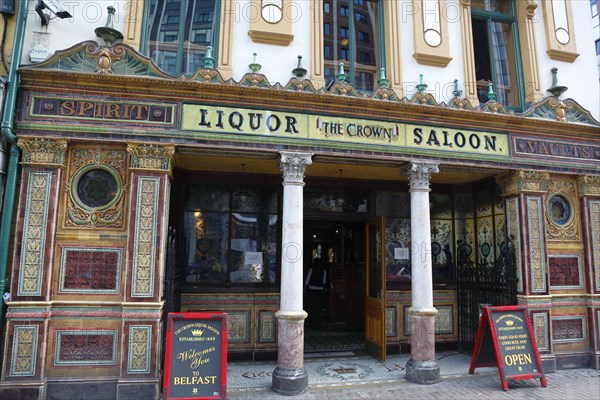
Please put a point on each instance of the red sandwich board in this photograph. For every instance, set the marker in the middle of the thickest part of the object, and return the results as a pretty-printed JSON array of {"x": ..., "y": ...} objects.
[
  {"x": 505, "y": 339},
  {"x": 196, "y": 356}
]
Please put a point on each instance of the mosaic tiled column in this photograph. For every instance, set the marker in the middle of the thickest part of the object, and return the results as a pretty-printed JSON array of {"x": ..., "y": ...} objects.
[
  {"x": 523, "y": 193},
  {"x": 290, "y": 377},
  {"x": 147, "y": 238},
  {"x": 588, "y": 187},
  {"x": 27, "y": 322},
  {"x": 422, "y": 367}
]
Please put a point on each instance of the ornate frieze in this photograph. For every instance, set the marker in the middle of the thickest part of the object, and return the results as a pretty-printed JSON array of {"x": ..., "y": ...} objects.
[
  {"x": 566, "y": 329},
  {"x": 85, "y": 347},
  {"x": 90, "y": 270},
  {"x": 565, "y": 272},
  {"x": 43, "y": 152},
  {"x": 588, "y": 185},
  {"x": 419, "y": 174},
  {"x": 293, "y": 165},
  {"x": 151, "y": 157},
  {"x": 35, "y": 223},
  {"x": 524, "y": 181},
  {"x": 144, "y": 236}
]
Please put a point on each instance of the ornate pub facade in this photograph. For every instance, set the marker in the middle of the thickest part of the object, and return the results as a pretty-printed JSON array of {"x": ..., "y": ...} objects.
[{"x": 197, "y": 156}]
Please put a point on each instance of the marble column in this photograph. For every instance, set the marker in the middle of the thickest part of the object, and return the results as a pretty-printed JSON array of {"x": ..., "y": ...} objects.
[
  {"x": 422, "y": 367},
  {"x": 290, "y": 377}
]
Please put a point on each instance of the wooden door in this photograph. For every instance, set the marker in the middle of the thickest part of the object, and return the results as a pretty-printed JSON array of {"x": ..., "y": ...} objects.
[{"x": 375, "y": 288}]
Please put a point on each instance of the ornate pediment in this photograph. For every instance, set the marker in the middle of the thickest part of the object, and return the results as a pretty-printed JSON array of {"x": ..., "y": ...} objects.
[
  {"x": 89, "y": 57},
  {"x": 567, "y": 110}
]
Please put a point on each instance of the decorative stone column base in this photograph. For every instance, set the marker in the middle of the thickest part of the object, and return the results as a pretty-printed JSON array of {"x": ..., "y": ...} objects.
[
  {"x": 289, "y": 382},
  {"x": 290, "y": 377},
  {"x": 424, "y": 372},
  {"x": 422, "y": 366}
]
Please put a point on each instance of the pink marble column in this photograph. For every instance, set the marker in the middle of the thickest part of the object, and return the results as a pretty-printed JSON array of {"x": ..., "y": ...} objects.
[
  {"x": 290, "y": 377},
  {"x": 422, "y": 366}
]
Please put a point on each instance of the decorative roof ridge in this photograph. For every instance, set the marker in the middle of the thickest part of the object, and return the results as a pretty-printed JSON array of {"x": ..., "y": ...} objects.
[{"x": 123, "y": 60}]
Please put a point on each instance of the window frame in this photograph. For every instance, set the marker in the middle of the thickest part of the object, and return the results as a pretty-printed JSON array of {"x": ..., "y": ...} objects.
[
  {"x": 352, "y": 36},
  {"x": 492, "y": 16},
  {"x": 144, "y": 37}
]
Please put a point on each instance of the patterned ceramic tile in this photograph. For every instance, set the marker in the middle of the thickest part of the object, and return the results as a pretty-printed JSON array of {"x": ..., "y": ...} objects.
[
  {"x": 34, "y": 234},
  {"x": 24, "y": 351}
]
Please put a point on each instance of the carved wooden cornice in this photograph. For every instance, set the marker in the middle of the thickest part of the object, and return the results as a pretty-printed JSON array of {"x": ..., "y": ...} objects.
[
  {"x": 588, "y": 185},
  {"x": 523, "y": 181},
  {"x": 43, "y": 152},
  {"x": 151, "y": 157}
]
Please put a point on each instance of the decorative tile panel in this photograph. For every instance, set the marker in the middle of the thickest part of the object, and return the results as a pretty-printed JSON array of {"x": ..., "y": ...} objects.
[
  {"x": 95, "y": 270},
  {"x": 595, "y": 240},
  {"x": 537, "y": 254},
  {"x": 444, "y": 321},
  {"x": 239, "y": 327},
  {"x": 266, "y": 327},
  {"x": 565, "y": 272},
  {"x": 24, "y": 351},
  {"x": 144, "y": 247},
  {"x": 568, "y": 329},
  {"x": 513, "y": 228},
  {"x": 390, "y": 322},
  {"x": 540, "y": 330},
  {"x": 85, "y": 347},
  {"x": 138, "y": 356},
  {"x": 35, "y": 224}
]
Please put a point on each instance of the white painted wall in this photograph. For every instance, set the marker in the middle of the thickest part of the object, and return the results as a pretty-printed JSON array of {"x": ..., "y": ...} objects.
[
  {"x": 277, "y": 61},
  {"x": 581, "y": 76},
  {"x": 61, "y": 34}
]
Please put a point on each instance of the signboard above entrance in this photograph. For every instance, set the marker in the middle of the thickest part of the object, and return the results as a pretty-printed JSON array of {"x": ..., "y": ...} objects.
[{"x": 238, "y": 121}]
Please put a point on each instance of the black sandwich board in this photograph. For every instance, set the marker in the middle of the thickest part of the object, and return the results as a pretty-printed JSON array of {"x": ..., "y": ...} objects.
[
  {"x": 196, "y": 356},
  {"x": 505, "y": 339}
]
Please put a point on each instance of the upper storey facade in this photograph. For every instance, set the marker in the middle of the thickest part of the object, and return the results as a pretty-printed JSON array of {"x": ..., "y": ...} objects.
[{"x": 447, "y": 44}]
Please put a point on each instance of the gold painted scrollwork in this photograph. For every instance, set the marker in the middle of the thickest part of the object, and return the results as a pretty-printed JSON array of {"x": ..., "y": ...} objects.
[{"x": 85, "y": 159}]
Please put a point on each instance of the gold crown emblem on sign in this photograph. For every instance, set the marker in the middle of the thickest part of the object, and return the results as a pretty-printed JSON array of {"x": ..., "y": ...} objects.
[
  {"x": 197, "y": 332},
  {"x": 510, "y": 322}
]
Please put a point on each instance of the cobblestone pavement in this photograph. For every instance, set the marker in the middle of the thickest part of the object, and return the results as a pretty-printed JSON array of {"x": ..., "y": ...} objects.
[{"x": 455, "y": 383}]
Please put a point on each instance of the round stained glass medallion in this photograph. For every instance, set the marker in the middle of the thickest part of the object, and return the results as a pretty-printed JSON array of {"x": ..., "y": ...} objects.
[
  {"x": 559, "y": 210},
  {"x": 96, "y": 188}
]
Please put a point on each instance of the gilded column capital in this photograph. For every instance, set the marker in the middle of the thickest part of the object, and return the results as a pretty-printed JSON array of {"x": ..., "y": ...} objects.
[
  {"x": 151, "y": 157},
  {"x": 588, "y": 185},
  {"x": 419, "y": 174},
  {"x": 523, "y": 181},
  {"x": 43, "y": 152},
  {"x": 465, "y": 3},
  {"x": 293, "y": 165}
]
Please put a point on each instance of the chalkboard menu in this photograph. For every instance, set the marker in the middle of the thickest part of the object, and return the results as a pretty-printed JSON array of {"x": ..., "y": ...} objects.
[
  {"x": 196, "y": 356},
  {"x": 505, "y": 339}
]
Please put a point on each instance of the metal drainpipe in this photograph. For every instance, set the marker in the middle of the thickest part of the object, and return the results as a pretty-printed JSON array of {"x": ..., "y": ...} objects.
[{"x": 8, "y": 120}]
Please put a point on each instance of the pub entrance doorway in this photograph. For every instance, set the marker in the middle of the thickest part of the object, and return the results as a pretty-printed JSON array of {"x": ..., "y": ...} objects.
[{"x": 340, "y": 244}]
